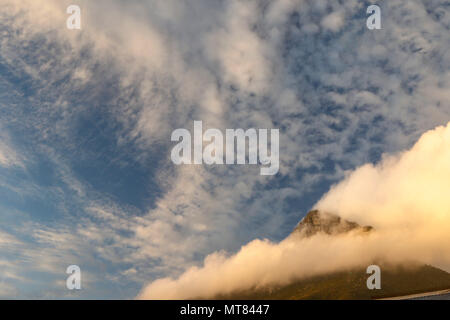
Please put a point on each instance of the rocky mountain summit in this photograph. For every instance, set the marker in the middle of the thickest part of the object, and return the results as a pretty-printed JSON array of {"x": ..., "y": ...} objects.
[
  {"x": 322, "y": 222},
  {"x": 397, "y": 280}
]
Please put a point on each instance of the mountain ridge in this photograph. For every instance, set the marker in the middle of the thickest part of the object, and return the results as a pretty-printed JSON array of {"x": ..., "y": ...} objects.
[
  {"x": 397, "y": 280},
  {"x": 323, "y": 222}
]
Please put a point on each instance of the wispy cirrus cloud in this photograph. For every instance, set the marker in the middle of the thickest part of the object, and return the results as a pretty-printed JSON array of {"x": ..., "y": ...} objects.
[
  {"x": 94, "y": 111},
  {"x": 8, "y": 156}
]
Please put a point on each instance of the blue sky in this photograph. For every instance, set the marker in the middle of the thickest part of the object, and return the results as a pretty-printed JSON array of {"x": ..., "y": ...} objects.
[{"x": 86, "y": 117}]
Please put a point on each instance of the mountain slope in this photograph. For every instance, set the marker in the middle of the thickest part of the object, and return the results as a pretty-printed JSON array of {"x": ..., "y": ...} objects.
[
  {"x": 322, "y": 222},
  {"x": 395, "y": 281},
  {"x": 351, "y": 284}
]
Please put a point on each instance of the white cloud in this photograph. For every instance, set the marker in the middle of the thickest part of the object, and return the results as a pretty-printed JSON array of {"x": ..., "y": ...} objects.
[
  {"x": 404, "y": 190},
  {"x": 405, "y": 197},
  {"x": 231, "y": 64},
  {"x": 9, "y": 157},
  {"x": 333, "y": 21}
]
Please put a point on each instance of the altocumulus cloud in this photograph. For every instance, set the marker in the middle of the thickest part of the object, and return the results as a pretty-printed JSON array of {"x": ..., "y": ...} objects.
[
  {"x": 406, "y": 197},
  {"x": 340, "y": 94}
]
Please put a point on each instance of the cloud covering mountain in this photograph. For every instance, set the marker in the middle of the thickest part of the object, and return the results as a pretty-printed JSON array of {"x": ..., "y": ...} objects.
[
  {"x": 406, "y": 197},
  {"x": 86, "y": 117}
]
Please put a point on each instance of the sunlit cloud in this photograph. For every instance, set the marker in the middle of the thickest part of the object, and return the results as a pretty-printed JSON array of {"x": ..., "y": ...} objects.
[{"x": 86, "y": 117}]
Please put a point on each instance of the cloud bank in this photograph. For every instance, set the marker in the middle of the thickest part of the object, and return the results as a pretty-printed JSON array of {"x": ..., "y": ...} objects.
[
  {"x": 405, "y": 197},
  {"x": 89, "y": 116}
]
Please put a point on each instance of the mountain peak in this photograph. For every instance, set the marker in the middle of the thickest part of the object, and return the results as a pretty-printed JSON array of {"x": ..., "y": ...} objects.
[{"x": 323, "y": 222}]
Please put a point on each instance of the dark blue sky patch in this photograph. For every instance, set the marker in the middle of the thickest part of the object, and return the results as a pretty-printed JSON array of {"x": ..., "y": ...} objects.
[{"x": 111, "y": 168}]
